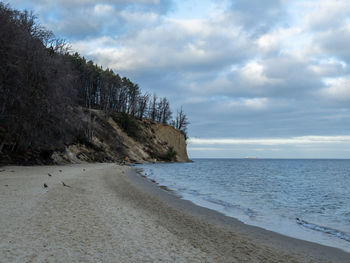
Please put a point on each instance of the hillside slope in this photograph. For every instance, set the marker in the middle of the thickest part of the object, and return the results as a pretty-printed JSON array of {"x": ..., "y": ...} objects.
[
  {"x": 114, "y": 137},
  {"x": 117, "y": 135}
]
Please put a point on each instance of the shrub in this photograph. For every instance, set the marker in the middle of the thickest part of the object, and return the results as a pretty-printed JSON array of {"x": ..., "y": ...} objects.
[
  {"x": 82, "y": 139},
  {"x": 171, "y": 154},
  {"x": 128, "y": 124}
]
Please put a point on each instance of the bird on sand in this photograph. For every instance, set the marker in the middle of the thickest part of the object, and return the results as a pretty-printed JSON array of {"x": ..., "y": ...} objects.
[{"x": 65, "y": 184}]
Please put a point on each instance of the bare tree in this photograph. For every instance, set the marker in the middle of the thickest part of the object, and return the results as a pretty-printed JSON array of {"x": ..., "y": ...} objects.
[
  {"x": 36, "y": 86},
  {"x": 142, "y": 105},
  {"x": 165, "y": 112},
  {"x": 181, "y": 122},
  {"x": 41, "y": 84},
  {"x": 152, "y": 113}
]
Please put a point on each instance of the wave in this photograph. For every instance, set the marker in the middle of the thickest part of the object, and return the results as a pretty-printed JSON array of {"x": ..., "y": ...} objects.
[
  {"x": 327, "y": 230},
  {"x": 249, "y": 212}
]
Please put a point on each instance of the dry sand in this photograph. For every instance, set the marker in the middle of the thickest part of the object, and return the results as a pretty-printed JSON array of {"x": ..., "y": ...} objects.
[{"x": 109, "y": 214}]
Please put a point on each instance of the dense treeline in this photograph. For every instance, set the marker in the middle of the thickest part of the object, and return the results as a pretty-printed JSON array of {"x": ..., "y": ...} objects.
[
  {"x": 105, "y": 90},
  {"x": 36, "y": 84},
  {"x": 42, "y": 83}
]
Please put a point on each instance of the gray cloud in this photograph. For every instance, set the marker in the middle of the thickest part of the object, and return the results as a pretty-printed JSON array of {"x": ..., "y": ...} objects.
[
  {"x": 335, "y": 43},
  {"x": 275, "y": 68},
  {"x": 258, "y": 16},
  {"x": 81, "y": 19}
]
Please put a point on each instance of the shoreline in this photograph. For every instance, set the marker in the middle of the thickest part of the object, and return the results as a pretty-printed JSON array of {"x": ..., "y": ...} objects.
[
  {"x": 274, "y": 207},
  {"x": 345, "y": 247},
  {"x": 109, "y": 213},
  {"x": 284, "y": 244}
]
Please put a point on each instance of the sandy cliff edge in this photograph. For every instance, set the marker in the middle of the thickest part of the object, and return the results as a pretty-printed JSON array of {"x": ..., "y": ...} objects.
[
  {"x": 174, "y": 138},
  {"x": 142, "y": 141}
]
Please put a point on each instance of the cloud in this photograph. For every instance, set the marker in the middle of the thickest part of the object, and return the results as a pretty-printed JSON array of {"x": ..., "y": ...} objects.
[
  {"x": 78, "y": 19},
  {"x": 281, "y": 40},
  {"x": 273, "y": 141},
  {"x": 252, "y": 74},
  {"x": 204, "y": 149},
  {"x": 103, "y": 9},
  {"x": 266, "y": 69},
  {"x": 338, "y": 89},
  {"x": 329, "y": 67},
  {"x": 325, "y": 14},
  {"x": 258, "y": 16},
  {"x": 255, "y": 104},
  {"x": 179, "y": 45},
  {"x": 219, "y": 70},
  {"x": 335, "y": 42}
]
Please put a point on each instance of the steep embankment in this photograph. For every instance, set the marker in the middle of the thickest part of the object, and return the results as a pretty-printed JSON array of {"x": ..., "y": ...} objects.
[
  {"x": 117, "y": 135},
  {"x": 174, "y": 138}
]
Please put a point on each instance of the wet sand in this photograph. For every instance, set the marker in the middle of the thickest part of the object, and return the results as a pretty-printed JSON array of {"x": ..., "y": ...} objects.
[{"x": 108, "y": 213}]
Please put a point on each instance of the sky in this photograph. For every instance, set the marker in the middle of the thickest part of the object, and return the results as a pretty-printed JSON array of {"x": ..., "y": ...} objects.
[{"x": 268, "y": 78}]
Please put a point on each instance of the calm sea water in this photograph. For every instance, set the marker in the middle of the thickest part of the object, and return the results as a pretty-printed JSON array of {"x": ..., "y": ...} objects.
[{"x": 306, "y": 199}]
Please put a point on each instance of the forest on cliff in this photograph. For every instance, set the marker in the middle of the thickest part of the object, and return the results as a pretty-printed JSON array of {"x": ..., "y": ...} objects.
[{"x": 45, "y": 87}]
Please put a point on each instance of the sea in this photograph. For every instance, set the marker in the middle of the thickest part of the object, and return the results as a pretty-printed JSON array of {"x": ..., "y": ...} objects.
[{"x": 301, "y": 198}]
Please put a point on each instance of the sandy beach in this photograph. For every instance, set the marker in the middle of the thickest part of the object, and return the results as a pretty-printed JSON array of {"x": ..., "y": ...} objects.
[{"x": 108, "y": 213}]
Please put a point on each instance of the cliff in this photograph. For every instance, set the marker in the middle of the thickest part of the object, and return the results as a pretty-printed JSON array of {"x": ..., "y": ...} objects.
[
  {"x": 44, "y": 92},
  {"x": 113, "y": 136},
  {"x": 174, "y": 138},
  {"x": 117, "y": 135}
]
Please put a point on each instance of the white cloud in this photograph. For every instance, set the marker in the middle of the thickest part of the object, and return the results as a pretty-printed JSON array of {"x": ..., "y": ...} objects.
[
  {"x": 204, "y": 149},
  {"x": 280, "y": 39},
  {"x": 325, "y": 13},
  {"x": 253, "y": 75},
  {"x": 253, "y": 78},
  {"x": 247, "y": 103},
  {"x": 273, "y": 141},
  {"x": 103, "y": 9},
  {"x": 256, "y": 103},
  {"x": 337, "y": 88},
  {"x": 170, "y": 44}
]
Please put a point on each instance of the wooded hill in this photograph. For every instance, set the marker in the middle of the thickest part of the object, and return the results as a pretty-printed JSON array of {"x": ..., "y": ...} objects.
[{"x": 48, "y": 93}]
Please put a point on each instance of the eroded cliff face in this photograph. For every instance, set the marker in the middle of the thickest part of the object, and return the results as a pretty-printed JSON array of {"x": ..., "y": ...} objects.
[
  {"x": 114, "y": 138},
  {"x": 174, "y": 138}
]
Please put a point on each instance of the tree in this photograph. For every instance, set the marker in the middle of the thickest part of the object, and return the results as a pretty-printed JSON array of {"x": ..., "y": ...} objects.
[
  {"x": 42, "y": 84},
  {"x": 133, "y": 95},
  {"x": 152, "y": 112},
  {"x": 142, "y": 105},
  {"x": 181, "y": 122},
  {"x": 36, "y": 84},
  {"x": 165, "y": 112}
]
